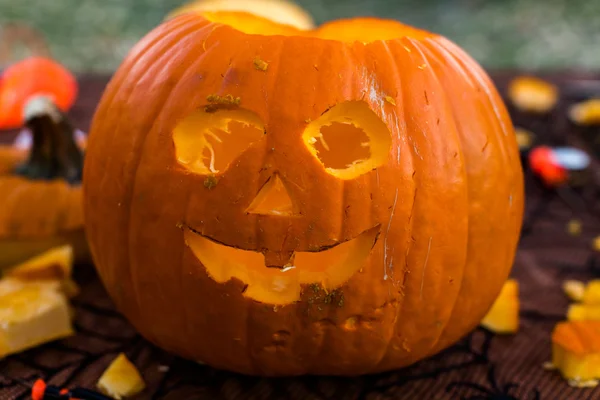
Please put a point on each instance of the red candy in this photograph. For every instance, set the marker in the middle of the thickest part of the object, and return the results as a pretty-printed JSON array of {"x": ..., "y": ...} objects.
[
  {"x": 39, "y": 390},
  {"x": 544, "y": 165},
  {"x": 34, "y": 76}
]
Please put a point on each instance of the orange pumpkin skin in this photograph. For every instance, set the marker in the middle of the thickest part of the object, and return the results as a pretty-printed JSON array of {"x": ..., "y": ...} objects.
[{"x": 448, "y": 200}]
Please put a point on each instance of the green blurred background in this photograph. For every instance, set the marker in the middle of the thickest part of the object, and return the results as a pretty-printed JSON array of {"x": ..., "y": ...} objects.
[{"x": 95, "y": 35}]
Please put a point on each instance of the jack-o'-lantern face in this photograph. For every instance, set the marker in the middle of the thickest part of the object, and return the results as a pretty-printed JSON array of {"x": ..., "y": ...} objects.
[
  {"x": 336, "y": 201},
  {"x": 346, "y": 141}
]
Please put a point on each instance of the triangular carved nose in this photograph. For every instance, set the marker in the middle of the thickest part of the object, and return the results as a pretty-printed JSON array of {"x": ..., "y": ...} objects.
[{"x": 272, "y": 199}]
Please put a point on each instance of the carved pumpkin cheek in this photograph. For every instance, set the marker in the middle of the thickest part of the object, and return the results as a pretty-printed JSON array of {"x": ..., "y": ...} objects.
[{"x": 256, "y": 218}]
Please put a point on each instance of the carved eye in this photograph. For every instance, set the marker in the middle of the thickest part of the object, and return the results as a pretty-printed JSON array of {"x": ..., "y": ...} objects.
[
  {"x": 349, "y": 140},
  {"x": 206, "y": 142}
]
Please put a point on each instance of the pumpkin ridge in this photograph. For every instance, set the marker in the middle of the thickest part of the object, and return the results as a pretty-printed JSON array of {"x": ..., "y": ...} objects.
[
  {"x": 326, "y": 337},
  {"x": 347, "y": 57},
  {"x": 458, "y": 68},
  {"x": 138, "y": 52},
  {"x": 275, "y": 80},
  {"x": 476, "y": 75},
  {"x": 432, "y": 259},
  {"x": 443, "y": 91},
  {"x": 462, "y": 67},
  {"x": 500, "y": 114},
  {"x": 501, "y": 129},
  {"x": 394, "y": 49},
  {"x": 138, "y": 152},
  {"x": 183, "y": 274},
  {"x": 398, "y": 82},
  {"x": 164, "y": 48},
  {"x": 37, "y": 223},
  {"x": 114, "y": 87}
]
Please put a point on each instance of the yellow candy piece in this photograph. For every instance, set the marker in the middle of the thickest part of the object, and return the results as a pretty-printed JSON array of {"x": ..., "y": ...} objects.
[
  {"x": 524, "y": 138},
  {"x": 31, "y": 314},
  {"x": 574, "y": 289},
  {"x": 121, "y": 379},
  {"x": 576, "y": 351},
  {"x": 532, "y": 94},
  {"x": 574, "y": 227},
  {"x": 503, "y": 317},
  {"x": 586, "y": 293},
  {"x": 586, "y": 112},
  {"x": 583, "y": 312},
  {"x": 56, "y": 263},
  {"x": 596, "y": 243}
]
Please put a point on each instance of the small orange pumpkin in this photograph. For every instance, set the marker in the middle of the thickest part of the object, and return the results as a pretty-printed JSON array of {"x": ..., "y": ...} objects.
[
  {"x": 31, "y": 77},
  {"x": 41, "y": 204},
  {"x": 279, "y": 202}
]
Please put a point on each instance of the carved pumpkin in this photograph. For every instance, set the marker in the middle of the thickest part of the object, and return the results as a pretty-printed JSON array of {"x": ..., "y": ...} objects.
[
  {"x": 41, "y": 204},
  {"x": 341, "y": 201}
]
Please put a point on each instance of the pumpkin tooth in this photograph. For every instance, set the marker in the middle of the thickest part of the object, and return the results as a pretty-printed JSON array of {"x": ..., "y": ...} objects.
[
  {"x": 212, "y": 157},
  {"x": 323, "y": 142},
  {"x": 214, "y": 136},
  {"x": 355, "y": 163}
]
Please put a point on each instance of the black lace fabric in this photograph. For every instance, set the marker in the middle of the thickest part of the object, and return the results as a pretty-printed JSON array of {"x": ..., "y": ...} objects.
[{"x": 481, "y": 366}]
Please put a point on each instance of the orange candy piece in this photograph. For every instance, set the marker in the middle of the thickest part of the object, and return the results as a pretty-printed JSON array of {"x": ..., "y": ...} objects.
[{"x": 34, "y": 76}]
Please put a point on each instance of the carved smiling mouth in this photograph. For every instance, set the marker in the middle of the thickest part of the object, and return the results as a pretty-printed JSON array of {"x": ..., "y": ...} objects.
[{"x": 331, "y": 266}]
